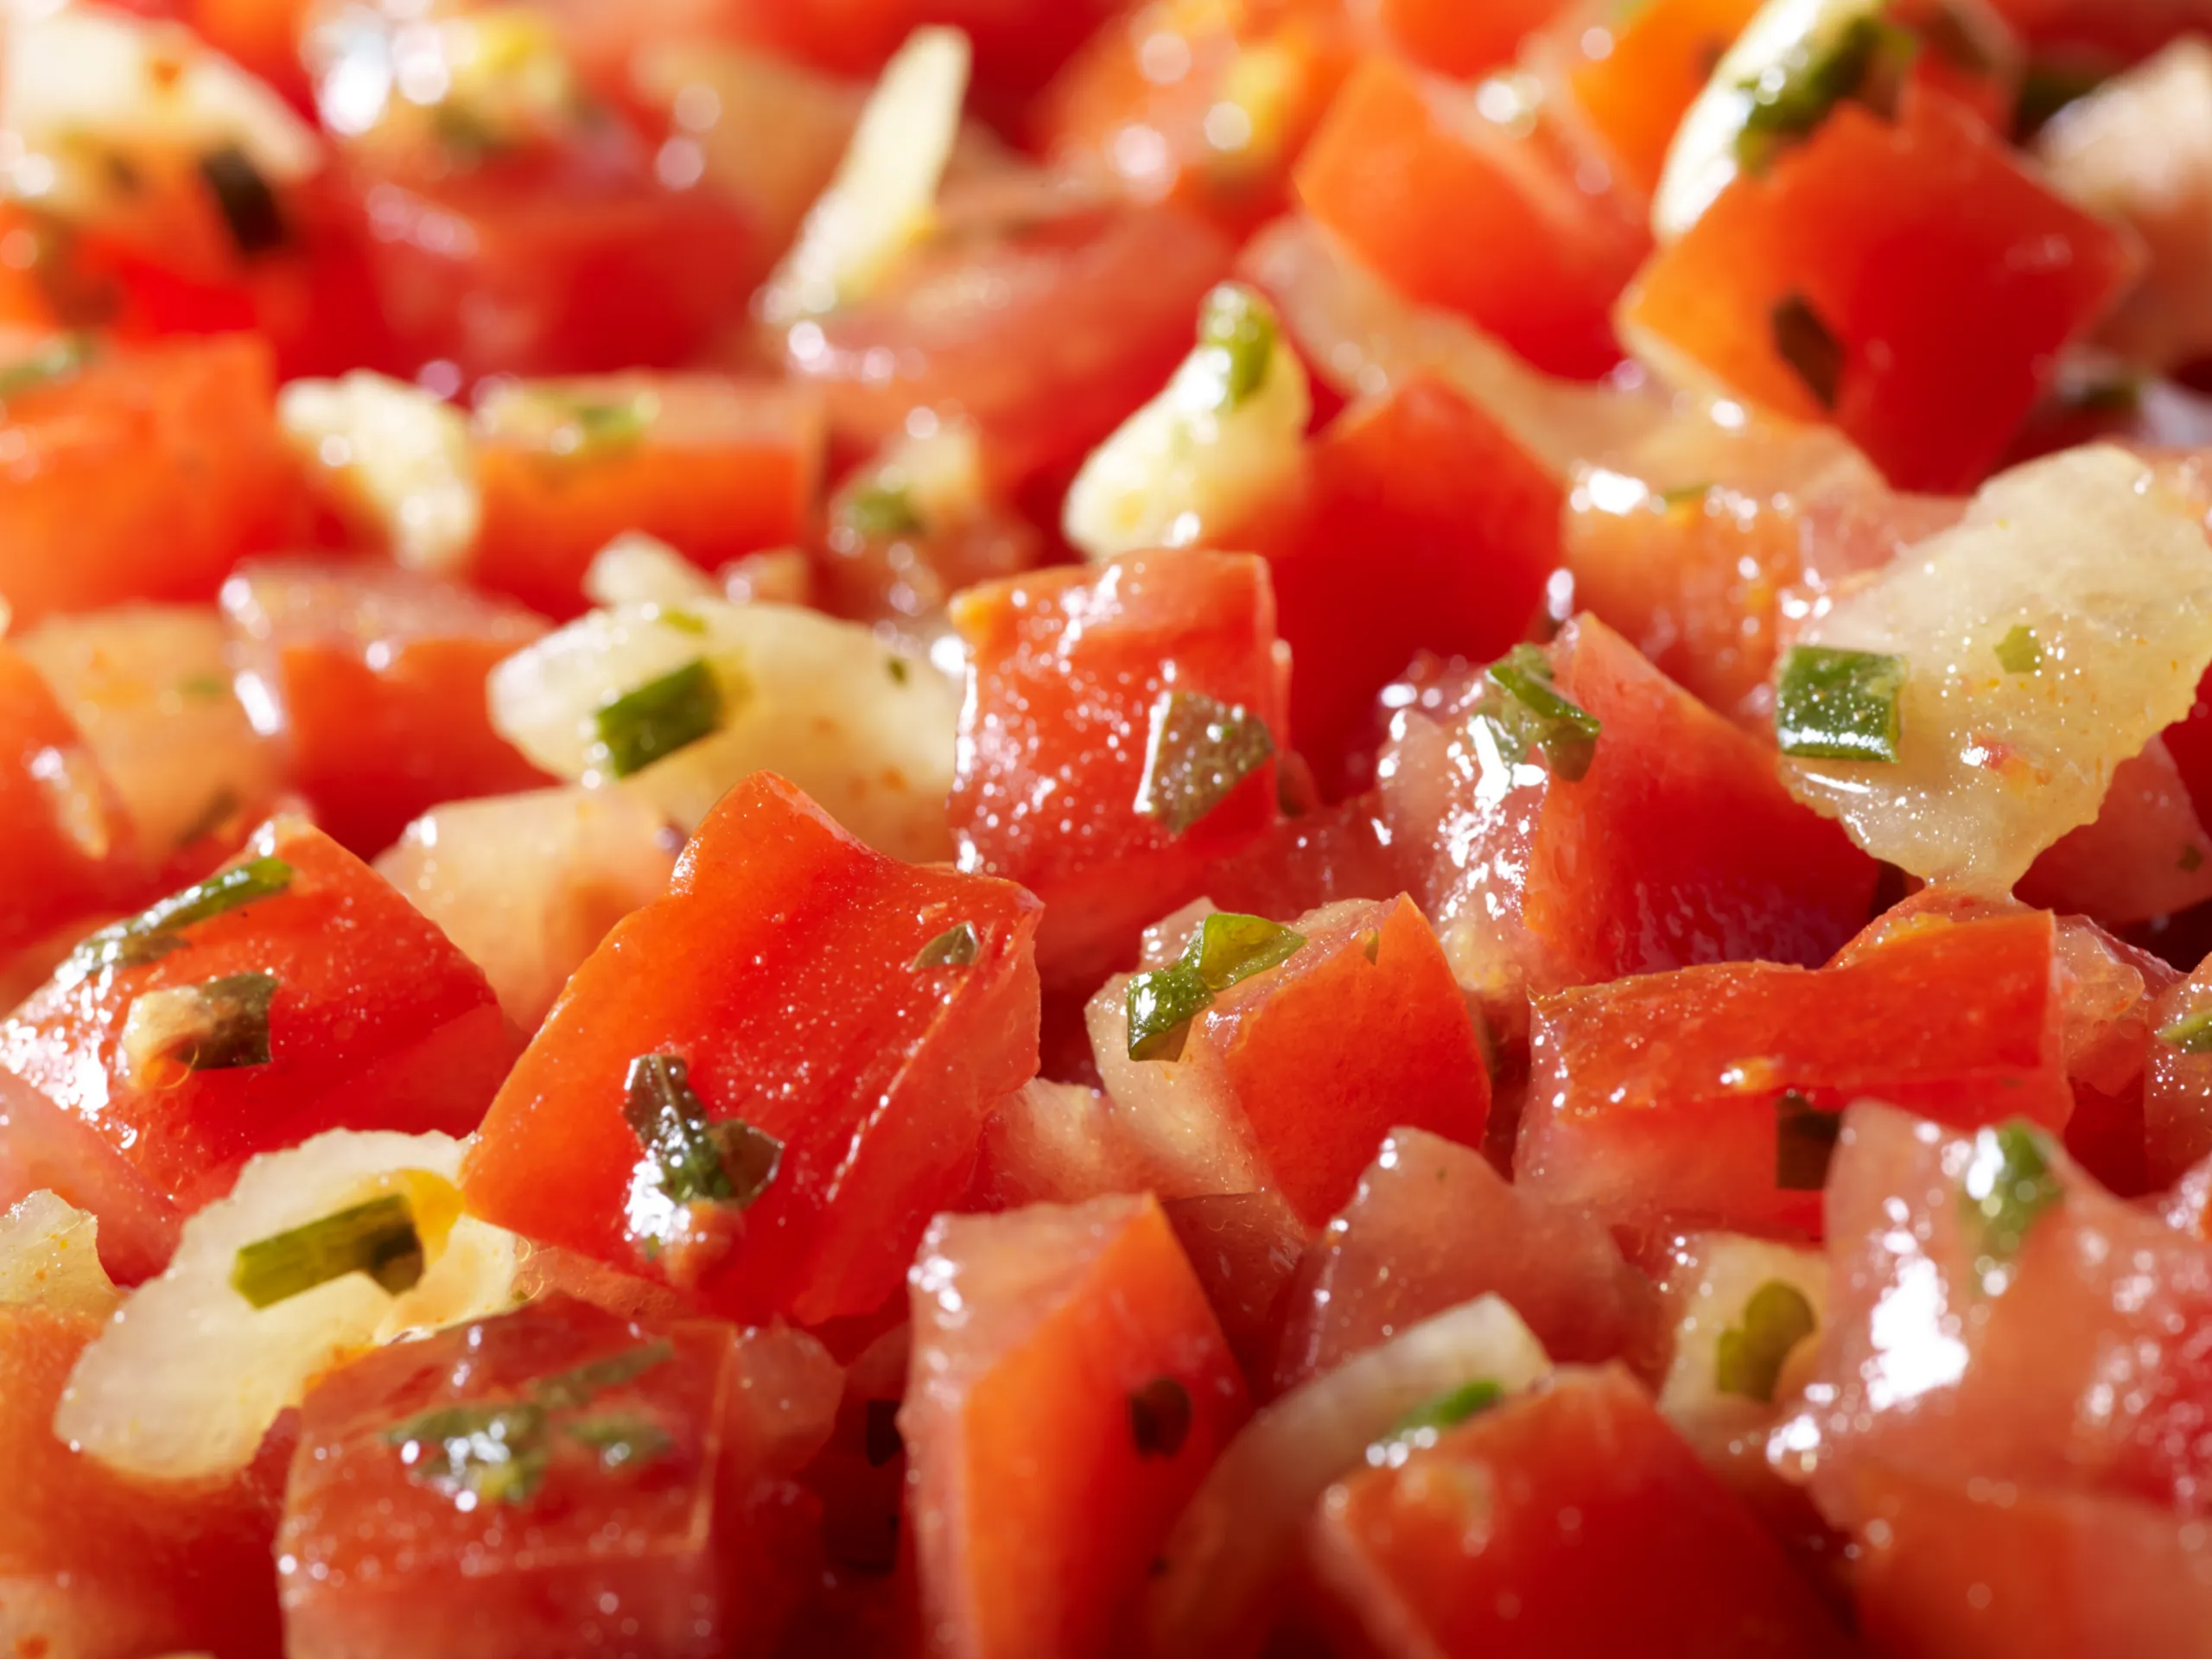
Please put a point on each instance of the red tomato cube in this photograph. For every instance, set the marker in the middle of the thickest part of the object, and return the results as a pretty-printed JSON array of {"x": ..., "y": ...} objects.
[
  {"x": 1909, "y": 281},
  {"x": 556, "y": 1481},
  {"x": 1570, "y": 1520},
  {"x": 717, "y": 467},
  {"x": 143, "y": 475},
  {"x": 65, "y": 837},
  {"x": 1708, "y": 1095},
  {"x": 1244, "y": 1248},
  {"x": 1635, "y": 74},
  {"x": 1457, "y": 39},
  {"x": 1068, "y": 1390},
  {"x": 1074, "y": 677},
  {"x": 371, "y": 678},
  {"x": 787, "y": 977},
  {"x": 1534, "y": 254},
  {"x": 1433, "y": 1226},
  {"x": 293, "y": 993}
]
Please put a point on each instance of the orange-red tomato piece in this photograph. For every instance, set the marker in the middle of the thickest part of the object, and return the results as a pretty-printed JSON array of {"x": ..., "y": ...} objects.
[
  {"x": 1635, "y": 74},
  {"x": 1078, "y": 1329},
  {"x": 375, "y": 1022},
  {"x": 779, "y": 967},
  {"x": 371, "y": 678},
  {"x": 1067, "y": 669},
  {"x": 66, "y": 841},
  {"x": 1909, "y": 280},
  {"x": 1573, "y": 1519},
  {"x": 1457, "y": 39}
]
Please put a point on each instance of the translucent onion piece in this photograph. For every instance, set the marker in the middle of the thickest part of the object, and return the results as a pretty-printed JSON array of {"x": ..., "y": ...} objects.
[
  {"x": 49, "y": 1258},
  {"x": 396, "y": 457}
]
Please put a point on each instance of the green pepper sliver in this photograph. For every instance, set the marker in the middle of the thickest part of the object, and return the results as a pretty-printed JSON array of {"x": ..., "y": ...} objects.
[
  {"x": 1748, "y": 1359},
  {"x": 658, "y": 718},
  {"x": 1838, "y": 705},
  {"x": 377, "y": 1238}
]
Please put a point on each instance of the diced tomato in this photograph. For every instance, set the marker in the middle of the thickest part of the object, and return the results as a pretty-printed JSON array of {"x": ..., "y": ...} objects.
[
  {"x": 1534, "y": 255},
  {"x": 1042, "y": 314},
  {"x": 1456, "y": 39},
  {"x": 2110, "y": 995},
  {"x": 646, "y": 1502},
  {"x": 1433, "y": 1226},
  {"x": 1466, "y": 1546},
  {"x": 1068, "y": 670},
  {"x": 1995, "y": 1317},
  {"x": 1635, "y": 74},
  {"x": 192, "y": 424},
  {"x": 45, "y": 1148},
  {"x": 2145, "y": 854},
  {"x": 65, "y": 840},
  {"x": 1708, "y": 1095},
  {"x": 780, "y": 969},
  {"x": 2127, "y": 29},
  {"x": 1678, "y": 845},
  {"x": 1908, "y": 280},
  {"x": 1294, "y": 1076},
  {"x": 1321, "y": 856},
  {"x": 2189, "y": 741},
  {"x": 715, "y": 466},
  {"x": 371, "y": 679},
  {"x": 1243, "y": 1247},
  {"x": 374, "y": 1023},
  {"x": 262, "y": 36},
  {"x": 1081, "y": 1329},
  {"x": 2177, "y": 1086},
  {"x": 861, "y": 1473},
  {"x": 1422, "y": 525},
  {"x": 92, "y": 1563},
  {"x": 1219, "y": 134}
]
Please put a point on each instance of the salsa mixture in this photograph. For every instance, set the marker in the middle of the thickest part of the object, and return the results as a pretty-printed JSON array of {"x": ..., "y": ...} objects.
[{"x": 1062, "y": 829}]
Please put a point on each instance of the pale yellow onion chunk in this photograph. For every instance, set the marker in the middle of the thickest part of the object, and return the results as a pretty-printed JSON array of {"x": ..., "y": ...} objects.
[
  {"x": 867, "y": 730},
  {"x": 2114, "y": 580},
  {"x": 1719, "y": 1274},
  {"x": 190, "y": 1377},
  {"x": 49, "y": 1258}
]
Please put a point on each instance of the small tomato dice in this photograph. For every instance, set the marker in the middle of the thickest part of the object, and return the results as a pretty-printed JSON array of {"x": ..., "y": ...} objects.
[
  {"x": 1708, "y": 1094},
  {"x": 372, "y": 680},
  {"x": 145, "y": 475},
  {"x": 1068, "y": 1390},
  {"x": 1659, "y": 1558},
  {"x": 1072, "y": 675},
  {"x": 639, "y": 1498},
  {"x": 1635, "y": 74},
  {"x": 1532, "y": 255},
  {"x": 1909, "y": 280},
  {"x": 783, "y": 972},
  {"x": 45, "y": 1148},
  {"x": 717, "y": 467},
  {"x": 1244, "y": 1248},
  {"x": 1457, "y": 39},
  {"x": 297, "y": 993},
  {"x": 65, "y": 839}
]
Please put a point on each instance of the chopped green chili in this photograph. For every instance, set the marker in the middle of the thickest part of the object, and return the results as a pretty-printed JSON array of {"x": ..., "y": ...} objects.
[
  {"x": 581, "y": 1384},
  {"x": 229, "y": 1026},
  {"x": 498, "y": 1453},
  {"x": 1223, "y": 949},
  {"x": 1159, "y": 1417},
  {"x": 1804, "y": 1142},
  {"x": 1749, "y": 1357},
  {"x": 2020, "y": 652},
  {"x": 956, "y": 947},
  {"x": 1447, "y": 1410},
  {"x": 1525, "y": 713},
  {"x": 698, "y": 1162},
  {"x": 1809, "y": 346},
  {"x": 54, "y": 361},
  {"x": 249, "y": 207},
  {"x": 2191, "y": 1033},
  {"x": 1838, "y": 705},
  {"x": 1161, "y": 1005},
  {"x": 683, "y": 621},
  {"x": 659, "y": 717},
  {"x": 153, "y": 933},
  {"x": 2009, "y": 1183},
  {"x": 377, "y": 1238},
  {"x": 623, "y": 1440},
  {"x": 1864, "y": 61},
  {"x": 1198, "y": 752},
  {"x": 1239, "y": 325},
  {"x": 882, "y": 513}
]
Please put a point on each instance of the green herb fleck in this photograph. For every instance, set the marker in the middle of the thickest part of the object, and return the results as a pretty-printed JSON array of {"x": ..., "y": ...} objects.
[
  {"x": 2047, "y": 87},
  {"x": 1838, "y": 705},
  {"x": 622, "y": 1440},
  {"x": 51, "y": 361},
  {"x": 230, "y": 1025},
  {"x": 2020, "y": 652},
  {"x": 2191, "y": 1033},
  {"x": 698, "y": 1162},
  {"x": 1446, "y": 1410},
  {"x": 1198, "y": 752},
  {"x": 498, "y": 1453},
  {"x": 1810, "y": 348},
  {"x": 1159, "y": 1417},
  {"x": 1228, "y": 947},
  {"x": 1748, "y": 1361},
  {"x": 1238, "y": 326},
  {"x": 882, "y": 513},
  {"x": 1804, "y": 1142},
  {"x": 153, "y": 933},
  {"x": 1525, "y": 713},
  {"x": 591, "y": 429},
  {"x": 249, "y": 207},
  {"x": 896, "y": 667},
  {"x": 956, "y": 947},
  {"x": 203, "y": 688},
  {"x": 581, "y": 1384},
  {"x": 2008, "y": 1185},
  {"x": 1224, "y": 949},
  {"x": 377, "y": 1239},
  {"x": 1686, "y": 495},
  {"x": 1790, "y": 100},
  {"x": 1161, "y": 1005},
  {"x": 659, "y": 717},
  {"x": 683, "y": 621}
]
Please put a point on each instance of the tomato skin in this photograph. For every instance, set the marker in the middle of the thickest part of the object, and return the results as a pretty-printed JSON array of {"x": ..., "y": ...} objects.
[
  {"x": 192, "y": 424},
  {"x": 729, "y": 467},
  {"x": 1685, "y": 1568},
  {"x": 1655, "y": 1098},
  {"x": 1045, "y": 318},
  {"x": 1065, "y": 668},
  {"x": 1433, "y": 1226},
  {"x": 702, "y": 1549},
  {"x": 65, "y": 838},
  {"x": 96, "y": 1567},
  {"x": 1456, "y": 39},
  {"x": 378, "y": 1023},
  {"x": 1035, "y": 1328},
  {"x": 1421, "y": 526},
  {"x": 778, "y": 965},
  {"x": 1949, "y": 276},
  {"x": 372, "y": 679},
  {"x": 1243, "y": 1247},
  {"x": 1400, "y": 154}
]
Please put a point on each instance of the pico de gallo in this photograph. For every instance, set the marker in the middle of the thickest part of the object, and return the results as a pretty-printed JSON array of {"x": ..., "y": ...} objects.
[{"x": 1105, "y": 829}]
